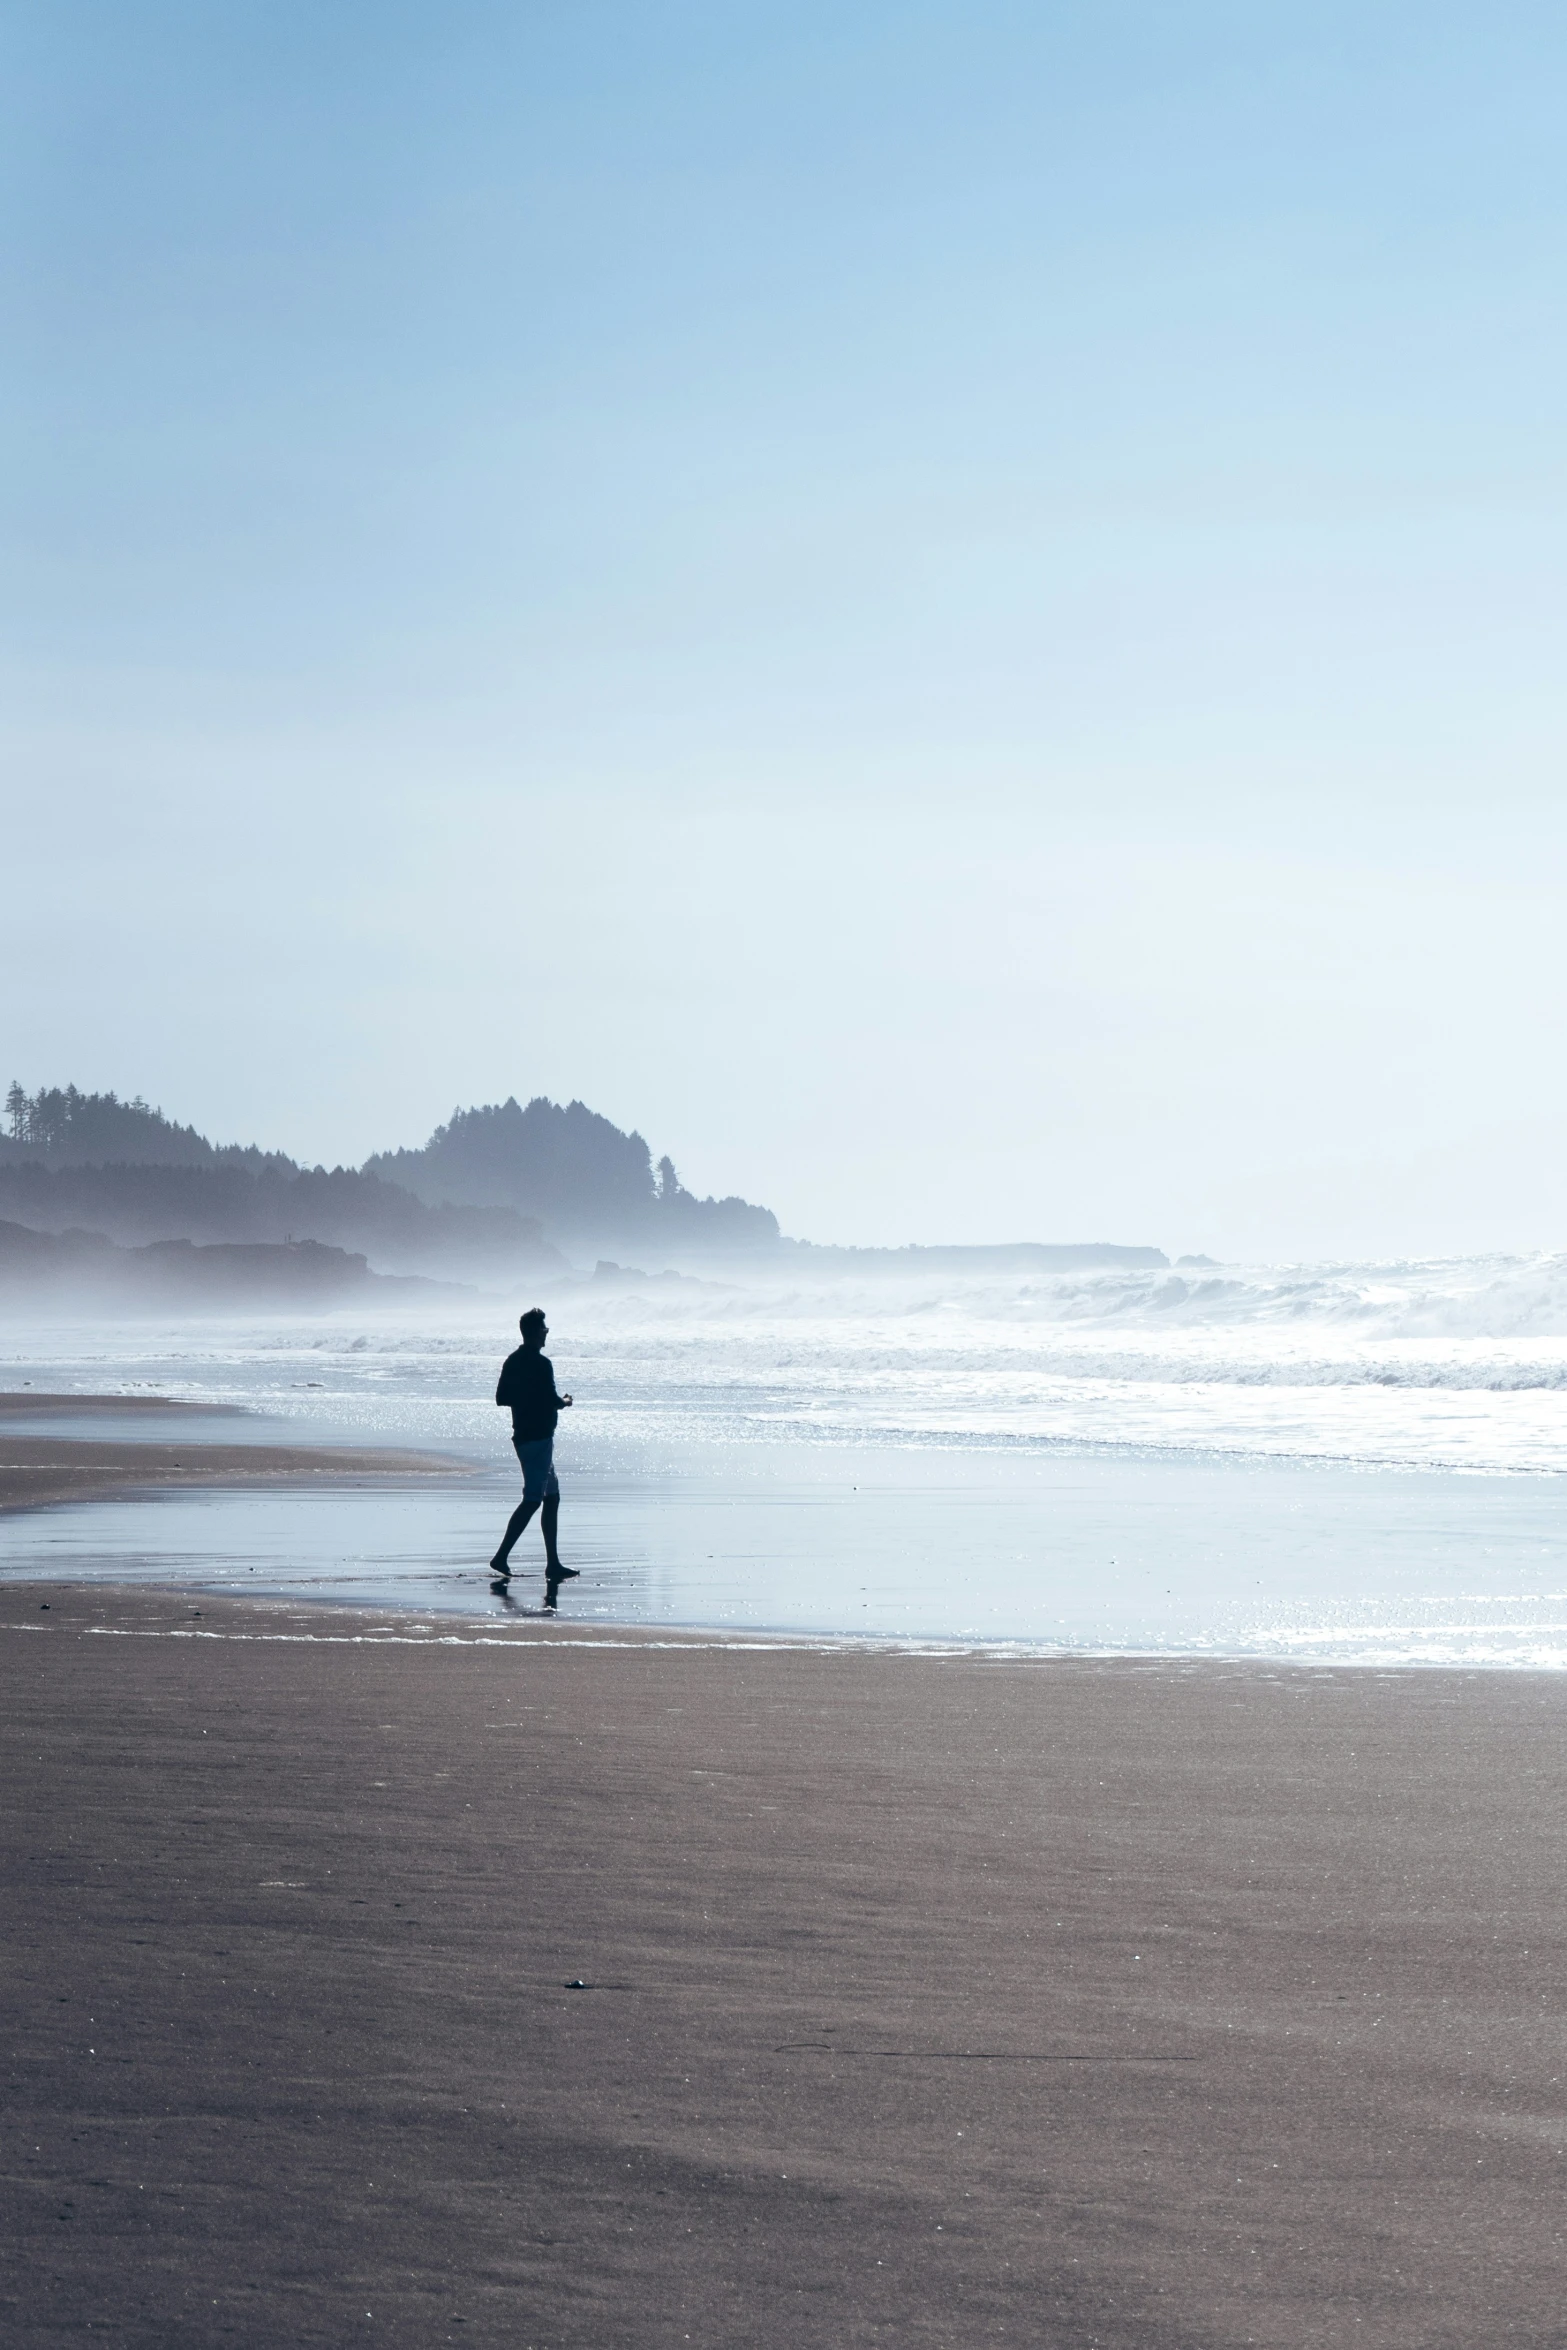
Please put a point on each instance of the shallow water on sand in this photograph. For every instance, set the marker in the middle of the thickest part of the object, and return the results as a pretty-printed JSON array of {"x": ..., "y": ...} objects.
[
  {"x": 1110, "y": 1550},
  {"x": 1317, "y": 1465}
]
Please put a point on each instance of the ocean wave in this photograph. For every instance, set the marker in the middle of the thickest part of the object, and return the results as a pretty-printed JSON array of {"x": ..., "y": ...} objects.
[
  {"x": 1459, "y": 1364},
  {"x": 1468, "y": 1297}
]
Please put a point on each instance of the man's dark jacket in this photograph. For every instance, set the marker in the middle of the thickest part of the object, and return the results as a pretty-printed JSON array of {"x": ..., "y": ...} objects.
[{"x": 527, "y": 1384}]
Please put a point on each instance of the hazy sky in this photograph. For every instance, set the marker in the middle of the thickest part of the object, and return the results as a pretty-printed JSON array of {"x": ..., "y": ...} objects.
[{"x": 955, "y": 609}]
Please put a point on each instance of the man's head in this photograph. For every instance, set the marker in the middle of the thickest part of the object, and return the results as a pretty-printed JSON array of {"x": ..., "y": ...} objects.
[{"x": 533, "y": 1326}]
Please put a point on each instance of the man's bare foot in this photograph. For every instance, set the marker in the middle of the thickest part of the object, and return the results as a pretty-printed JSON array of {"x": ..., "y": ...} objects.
[
  {"x": 560, "y": 1574},
  {"x": 500, "y": 1569}
]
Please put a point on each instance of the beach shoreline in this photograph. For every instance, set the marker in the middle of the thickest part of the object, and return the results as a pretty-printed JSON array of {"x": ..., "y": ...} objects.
[
  {"x": 618, "y": 1990},
  {"x": 47, "y": 1471}
]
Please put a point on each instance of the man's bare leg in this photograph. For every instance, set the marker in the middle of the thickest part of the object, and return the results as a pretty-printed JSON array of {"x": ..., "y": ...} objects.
[
  {"x": 550, "y": 1521},
  {"x": 500, "y": 1564}
]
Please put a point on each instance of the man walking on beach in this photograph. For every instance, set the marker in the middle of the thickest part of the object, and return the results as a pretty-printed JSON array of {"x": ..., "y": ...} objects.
[{"x": 527, "y": 1387}]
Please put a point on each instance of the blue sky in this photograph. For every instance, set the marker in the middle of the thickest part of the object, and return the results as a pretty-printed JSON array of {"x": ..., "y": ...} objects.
[{"x": 955, "y": 610}]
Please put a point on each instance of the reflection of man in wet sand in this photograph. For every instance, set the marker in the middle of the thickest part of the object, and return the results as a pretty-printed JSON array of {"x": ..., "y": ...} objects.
[{"x": 527, "y": 1386}]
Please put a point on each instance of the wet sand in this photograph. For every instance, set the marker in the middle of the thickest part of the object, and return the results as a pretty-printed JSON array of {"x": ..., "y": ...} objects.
[
  {"x": 37, "y": 1472},
  {"x": 926, "y": 2000},
  {"x": 28, "y": 1403}
]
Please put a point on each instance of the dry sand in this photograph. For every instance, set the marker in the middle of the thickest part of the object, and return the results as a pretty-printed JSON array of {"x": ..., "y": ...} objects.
[{"x": 928, "y": 2000}]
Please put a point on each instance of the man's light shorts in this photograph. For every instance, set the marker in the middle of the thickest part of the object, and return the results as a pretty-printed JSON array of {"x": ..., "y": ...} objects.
[{"x": 539, "y": 1482}]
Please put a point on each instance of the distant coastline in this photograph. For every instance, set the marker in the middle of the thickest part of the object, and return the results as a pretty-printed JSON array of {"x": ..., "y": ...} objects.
[
  {"x": 109, "y": 1200},
  {"x": 1005, "y": 1256}
]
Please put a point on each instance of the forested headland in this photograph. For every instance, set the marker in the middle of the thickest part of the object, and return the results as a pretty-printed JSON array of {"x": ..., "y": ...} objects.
[{"x": 499, "y": 1189}]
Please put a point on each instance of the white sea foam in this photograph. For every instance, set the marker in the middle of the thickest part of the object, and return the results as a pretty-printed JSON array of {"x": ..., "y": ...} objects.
[{"x": 1461, "y": 1365}]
